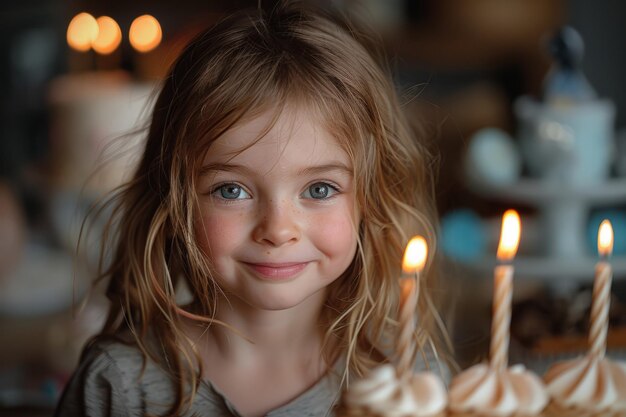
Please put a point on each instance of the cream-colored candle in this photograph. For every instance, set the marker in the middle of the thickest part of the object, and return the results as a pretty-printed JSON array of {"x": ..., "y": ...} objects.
[
  {"x": 145, "y": 36},
  {"x": 599, "y": 321},
  {"x": 503, "y": 290},
  {"x": 412, "y": 264},
  {"x": 106, "y": 45},
  {"x": 82, "y": 31}
]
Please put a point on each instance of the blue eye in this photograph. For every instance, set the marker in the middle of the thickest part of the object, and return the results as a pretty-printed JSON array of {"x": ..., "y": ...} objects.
[
  {"x": 231, "y": 192},
  {"x": 320, "y": 191}
]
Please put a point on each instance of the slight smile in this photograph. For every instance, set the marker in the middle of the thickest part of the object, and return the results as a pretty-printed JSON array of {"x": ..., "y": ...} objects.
[{"x": 277, "y": 271}]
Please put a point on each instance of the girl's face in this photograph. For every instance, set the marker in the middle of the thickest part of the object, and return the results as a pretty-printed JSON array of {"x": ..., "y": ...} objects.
[{"x": 277, "y": 220}]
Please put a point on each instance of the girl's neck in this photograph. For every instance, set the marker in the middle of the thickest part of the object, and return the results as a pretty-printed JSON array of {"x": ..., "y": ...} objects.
[
  {"x": 282, "y": 347},
  {"x": 267, "y": 335}
]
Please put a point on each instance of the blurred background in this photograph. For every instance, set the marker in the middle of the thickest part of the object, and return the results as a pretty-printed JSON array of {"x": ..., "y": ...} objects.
[{"x": 525, "y": 102}]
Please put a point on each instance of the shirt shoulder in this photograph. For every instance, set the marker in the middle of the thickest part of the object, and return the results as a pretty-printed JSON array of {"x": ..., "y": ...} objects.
[
  {"x": 318, "y": 400},
  {"x": 111, "y": 380}
]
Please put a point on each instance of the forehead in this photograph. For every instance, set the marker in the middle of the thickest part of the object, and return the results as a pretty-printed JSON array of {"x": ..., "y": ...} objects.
[{"x": 294, "y": 136}]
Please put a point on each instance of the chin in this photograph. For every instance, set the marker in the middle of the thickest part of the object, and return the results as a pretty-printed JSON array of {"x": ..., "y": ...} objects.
[
  {"x": 279, "y": 299},
  {"x": 277, "y": 303}
]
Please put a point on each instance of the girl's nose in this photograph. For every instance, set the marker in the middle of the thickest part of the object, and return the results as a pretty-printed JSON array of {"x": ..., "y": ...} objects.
[{"x": 277, "y": 225}]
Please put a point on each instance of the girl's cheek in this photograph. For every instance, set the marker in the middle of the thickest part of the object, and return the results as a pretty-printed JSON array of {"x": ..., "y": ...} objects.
[
  {"x": 220, "y": 231},
  {"x": 335, "y": 233}
]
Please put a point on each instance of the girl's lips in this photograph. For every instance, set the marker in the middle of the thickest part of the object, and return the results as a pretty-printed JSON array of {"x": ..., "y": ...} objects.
[{"x": 277, "y": 271}]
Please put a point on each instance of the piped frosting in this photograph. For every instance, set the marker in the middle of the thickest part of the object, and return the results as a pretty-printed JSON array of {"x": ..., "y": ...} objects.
[
  {"x": 383, "y": 394},
  {"x": 488, "y": 391},
  {"x": 588, "y": 383}
]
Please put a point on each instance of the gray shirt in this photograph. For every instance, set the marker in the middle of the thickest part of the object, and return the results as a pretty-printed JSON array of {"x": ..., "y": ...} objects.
[{"x": 109, "y": 382}]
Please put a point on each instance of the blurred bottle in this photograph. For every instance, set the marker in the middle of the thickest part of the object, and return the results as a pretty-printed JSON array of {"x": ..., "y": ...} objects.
[
  {"x": 567, "y": 138},
  {"x": 566, "y": 84}
]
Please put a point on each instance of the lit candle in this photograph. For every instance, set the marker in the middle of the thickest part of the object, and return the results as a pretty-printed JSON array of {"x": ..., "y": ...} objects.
[
  {"x": 106, "y": 45},
  {"x": 503, "y": 290},
  {"x": 82, "y": 31},
  {"x": 601, "y": 293},
  {"x": 412, "y": 265},
  {"x": 145, "y": 35}
]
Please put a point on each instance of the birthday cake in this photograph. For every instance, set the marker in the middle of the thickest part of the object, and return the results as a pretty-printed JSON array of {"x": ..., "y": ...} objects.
[{"x": 590, "y": 386}]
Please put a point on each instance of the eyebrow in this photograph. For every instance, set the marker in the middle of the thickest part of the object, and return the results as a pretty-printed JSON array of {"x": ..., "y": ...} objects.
[
  {"x": 217, "y": 166},
  {"x": 311, "y": 170},
  {"x": 320, "y": 169}
]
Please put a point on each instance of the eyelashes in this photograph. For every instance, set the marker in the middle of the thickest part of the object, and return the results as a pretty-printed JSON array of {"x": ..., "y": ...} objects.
[
  {"x": 232, "y": 191},
  {"x": 320, "y": 191}
]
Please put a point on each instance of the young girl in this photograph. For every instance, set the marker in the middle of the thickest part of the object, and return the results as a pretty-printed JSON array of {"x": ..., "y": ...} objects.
[{"x": 280, "y": 183}]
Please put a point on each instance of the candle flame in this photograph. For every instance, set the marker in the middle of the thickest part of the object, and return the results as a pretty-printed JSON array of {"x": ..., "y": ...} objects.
[
  {"x": 109, "y": 36},
  {"x": 415, "y": 255},
  {"x": 605, "y": 238},
  {"x": 510, "y": 235},
  {"x": 145, "y": 33},
  {"x": 81, "y": 32}
]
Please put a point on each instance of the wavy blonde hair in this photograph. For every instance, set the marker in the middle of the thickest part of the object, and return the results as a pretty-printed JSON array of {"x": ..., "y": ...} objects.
[{"x": 244, "y": 65}]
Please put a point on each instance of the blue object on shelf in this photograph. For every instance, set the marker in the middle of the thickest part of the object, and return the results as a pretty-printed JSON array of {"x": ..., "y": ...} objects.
[
  {"x": 493, "y": 157},
  {"x": 463, "y": 235},
  {"x": 618, "y": 221}
]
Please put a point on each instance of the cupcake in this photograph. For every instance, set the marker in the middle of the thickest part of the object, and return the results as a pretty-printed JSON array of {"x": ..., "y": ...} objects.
[
  {"x": 592, "y": 385},
  {"x": 383, "y": 394},
  {"x": 483, "y": 390},
  {"x": 587, "y": 386}
]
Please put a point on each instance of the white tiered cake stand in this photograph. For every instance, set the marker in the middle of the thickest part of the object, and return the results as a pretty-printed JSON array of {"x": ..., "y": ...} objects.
[{"x": 563, "y": 213}]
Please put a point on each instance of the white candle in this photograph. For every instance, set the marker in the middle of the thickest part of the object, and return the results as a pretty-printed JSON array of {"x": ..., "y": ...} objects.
[
  {"x": 412, "y": 264},
  {"x": 405, "y": 344},
  {"x": 601, "y": 301},
  {"x": 503, "y": 291},
  {"x": 501, "y": 316}
]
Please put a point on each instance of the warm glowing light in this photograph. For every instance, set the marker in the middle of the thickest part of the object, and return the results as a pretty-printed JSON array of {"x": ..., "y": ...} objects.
[
  {"x": 605, "y": 238},
  {"x": 109, "y": 36},
  {"x": 82, "y": 32},
  {"x": 407, "y": 287},
  {"x": 145, "y": 33},
  {"x": 509, "y": 238},
  {"x": 415, "y": 255}
]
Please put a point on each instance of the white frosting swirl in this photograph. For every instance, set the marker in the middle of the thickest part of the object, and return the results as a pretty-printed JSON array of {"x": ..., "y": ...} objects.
[
  {"x": 588, "y": 383},
  {"x": 484, "y": 389},
  {"x": 383, "y": 394}
]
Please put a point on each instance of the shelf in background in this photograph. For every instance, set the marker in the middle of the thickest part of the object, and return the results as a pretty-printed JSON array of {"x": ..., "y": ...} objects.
[
  {"x": 548, "y": 269},
  {"x": 537, "y": 192}
]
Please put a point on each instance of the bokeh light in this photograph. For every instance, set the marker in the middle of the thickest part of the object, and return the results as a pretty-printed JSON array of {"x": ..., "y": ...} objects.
[
  {"x": 145, "y": 33},
  {"x": 82, "y": 32},
  {"x": 109, "y": 36}
]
